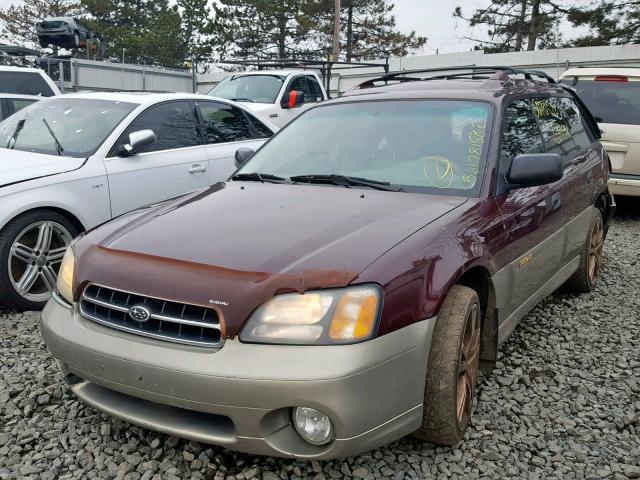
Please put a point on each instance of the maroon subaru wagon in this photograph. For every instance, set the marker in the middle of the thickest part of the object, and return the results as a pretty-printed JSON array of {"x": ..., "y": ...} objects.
[{"x": 344, "y": 287}]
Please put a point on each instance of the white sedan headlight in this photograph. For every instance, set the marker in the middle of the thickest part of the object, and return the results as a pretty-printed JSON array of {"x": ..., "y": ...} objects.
[{"x": 321, "y": 317}]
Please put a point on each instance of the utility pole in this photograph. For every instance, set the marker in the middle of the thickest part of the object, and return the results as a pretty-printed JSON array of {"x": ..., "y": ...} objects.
[{"x": 336, "y": 34}]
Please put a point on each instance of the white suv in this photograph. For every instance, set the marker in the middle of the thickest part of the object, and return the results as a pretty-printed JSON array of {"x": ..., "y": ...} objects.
[
  {"x": 71, "y": 162},
  {"x": 26, "y": 81},
  {"x": 613, "y": 96}
]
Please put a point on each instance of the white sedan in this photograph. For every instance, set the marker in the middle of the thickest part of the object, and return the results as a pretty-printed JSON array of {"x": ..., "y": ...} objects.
[{"x": 71, "y": 162}]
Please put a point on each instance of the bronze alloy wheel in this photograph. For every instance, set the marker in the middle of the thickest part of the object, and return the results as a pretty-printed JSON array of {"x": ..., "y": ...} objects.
[
  {"x": 452, "y": 368},
  {"x": 468, "y": 366},
  {"x": 595, "y": 249}
]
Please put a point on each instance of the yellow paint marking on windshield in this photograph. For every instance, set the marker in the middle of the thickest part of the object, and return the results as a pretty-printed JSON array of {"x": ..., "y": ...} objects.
[{"x": 439, "y": 171}]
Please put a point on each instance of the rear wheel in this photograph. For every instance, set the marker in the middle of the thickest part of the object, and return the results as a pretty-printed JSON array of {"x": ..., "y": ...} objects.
[
  {"x": 585, "y": 278},
  {"x": 31, "y": 250},
  {"x": 453, "y": 367}
]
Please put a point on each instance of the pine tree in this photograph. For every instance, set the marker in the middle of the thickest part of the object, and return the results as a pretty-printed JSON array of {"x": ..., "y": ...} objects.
[
  {"x": 19, "y": 20},
  {"x": 261, "y": 29},
  {"x": 197, "y": 25},
  {"x": 512, "y": 23},
  {"x": 368, "y": 29},
  {"x": 149, "y": 31},
  {"x": 611, "y": 22}
]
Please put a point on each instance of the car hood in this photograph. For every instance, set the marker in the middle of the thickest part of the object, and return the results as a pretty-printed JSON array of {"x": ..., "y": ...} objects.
[
  {"x": 237, "y": 244},
  {"x": 18, "y": 166}
]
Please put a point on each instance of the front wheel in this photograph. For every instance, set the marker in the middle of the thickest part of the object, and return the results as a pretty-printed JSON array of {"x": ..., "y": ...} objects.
[
  {"x": 452, "y": 371},
  {"x": 31, "y": 250}
]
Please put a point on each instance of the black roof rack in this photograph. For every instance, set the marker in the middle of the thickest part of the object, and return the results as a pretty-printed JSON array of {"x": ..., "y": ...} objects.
[
  {"x": 325, "y": 66},
  {"x": 473, "y": 71}
]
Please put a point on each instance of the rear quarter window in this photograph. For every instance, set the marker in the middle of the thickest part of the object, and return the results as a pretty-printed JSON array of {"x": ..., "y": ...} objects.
[{"x": 26, "y": 83}]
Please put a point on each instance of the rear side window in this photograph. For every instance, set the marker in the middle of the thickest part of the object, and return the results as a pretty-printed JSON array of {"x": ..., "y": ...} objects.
[
  {"x": 260, "y": 129},
  {"x": 577, "y": 124},
  {"x": 25, "y": 83},
  {"x": 553, "y": 124},
  {"x": 610, "y": 101},
  {"x": 224, "y": 123},
  {"x": 520, "y": 133},
  {"x": 173, "y": 123}
]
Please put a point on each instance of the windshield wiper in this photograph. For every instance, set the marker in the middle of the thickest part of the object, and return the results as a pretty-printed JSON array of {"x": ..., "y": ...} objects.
[
  {"x": 258, "y": 177},
  {"x": 346, "y": 181},
  {"x": 243, "y": 100},
  {"x": 59, "y": 148},
  {"x": 14, "y": 135}
]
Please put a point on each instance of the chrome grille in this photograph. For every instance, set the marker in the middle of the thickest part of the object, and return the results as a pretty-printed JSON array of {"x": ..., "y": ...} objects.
[{"x": 169, "y": 321}]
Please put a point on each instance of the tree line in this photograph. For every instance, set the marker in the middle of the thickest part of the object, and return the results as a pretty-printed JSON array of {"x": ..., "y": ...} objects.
[
  {"x": 172, "y": 33},
  {"x": 516, "y": 25}
]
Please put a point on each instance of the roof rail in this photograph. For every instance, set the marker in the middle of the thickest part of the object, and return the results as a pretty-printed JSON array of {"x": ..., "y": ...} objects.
[{"x": 474, "y": 71}]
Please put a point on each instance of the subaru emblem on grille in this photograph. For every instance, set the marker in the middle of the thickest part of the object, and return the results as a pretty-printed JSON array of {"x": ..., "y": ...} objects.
[{"x": 139, "y": 313}]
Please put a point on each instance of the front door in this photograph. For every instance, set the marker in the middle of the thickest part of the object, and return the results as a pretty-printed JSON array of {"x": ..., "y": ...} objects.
[
  {"x": 533, "y": 217},
  {"x": 176, "y": 163}
]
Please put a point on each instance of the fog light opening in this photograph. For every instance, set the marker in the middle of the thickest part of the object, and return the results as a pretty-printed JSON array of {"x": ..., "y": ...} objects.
[{"x": 312, "y": 425}]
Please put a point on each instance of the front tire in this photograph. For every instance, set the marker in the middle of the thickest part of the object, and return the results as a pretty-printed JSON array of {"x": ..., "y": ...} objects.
[
  {"x": 31, "y": 250},
  {"x": 586, "y": 276},
  {"x": 452, "y": 373}
]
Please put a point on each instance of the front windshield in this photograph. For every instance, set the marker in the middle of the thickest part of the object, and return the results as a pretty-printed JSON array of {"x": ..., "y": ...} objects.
[
  {"x": 249, "y": 88},
  {"x": 65, "y": 126},
  {"x": 431, "y": 146}
]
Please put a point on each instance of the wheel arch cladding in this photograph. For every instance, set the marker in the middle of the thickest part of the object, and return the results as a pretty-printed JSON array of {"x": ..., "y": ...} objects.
[{"x": 479, "y": 279}]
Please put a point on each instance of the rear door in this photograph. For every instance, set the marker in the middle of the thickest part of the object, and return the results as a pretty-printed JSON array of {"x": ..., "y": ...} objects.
[
  {"x": 226, "y": 128},
  {"x": 176, "y": 163}
]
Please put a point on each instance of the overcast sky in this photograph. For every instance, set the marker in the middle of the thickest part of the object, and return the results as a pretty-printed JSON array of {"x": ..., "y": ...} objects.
[{"x": 430, "y": 18}]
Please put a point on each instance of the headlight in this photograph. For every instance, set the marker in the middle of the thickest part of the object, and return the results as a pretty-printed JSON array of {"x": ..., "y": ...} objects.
[
  {"x": 320, "y": 317},
  {"x": 65, "y": 275}
]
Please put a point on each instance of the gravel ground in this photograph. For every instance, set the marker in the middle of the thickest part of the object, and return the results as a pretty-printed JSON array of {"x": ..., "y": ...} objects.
[{"x": 563, "y": 402}]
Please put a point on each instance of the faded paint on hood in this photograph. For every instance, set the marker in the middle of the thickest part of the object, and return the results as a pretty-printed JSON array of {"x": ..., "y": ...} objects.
[{"x": 243, "y": 242}]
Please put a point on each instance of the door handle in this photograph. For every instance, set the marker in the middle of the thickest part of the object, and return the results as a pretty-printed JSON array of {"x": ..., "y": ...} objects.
[{"x": 197, "y": 168}]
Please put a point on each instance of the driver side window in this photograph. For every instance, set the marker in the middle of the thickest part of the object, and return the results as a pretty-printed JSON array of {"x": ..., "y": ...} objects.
[
  {"x": 520, "y": 134},
  {"x": 174, "y": 124},
  {"x": 300, "y": 83}
]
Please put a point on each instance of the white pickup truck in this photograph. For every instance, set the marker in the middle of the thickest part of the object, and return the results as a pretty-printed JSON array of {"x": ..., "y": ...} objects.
[{"x": 277, "y": 95}]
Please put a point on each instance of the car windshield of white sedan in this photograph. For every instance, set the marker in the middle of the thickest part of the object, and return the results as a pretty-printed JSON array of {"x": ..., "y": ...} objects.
[
  {"x": 430, "y": 146},
  {"x": 249, "y": 88},
  {"x": 68, "y": 127}
]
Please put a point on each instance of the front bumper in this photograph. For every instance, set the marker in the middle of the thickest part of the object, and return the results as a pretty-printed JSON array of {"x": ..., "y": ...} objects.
[
  {"x": 240, "y": 396},
  {"x": 624, "y": 185}
]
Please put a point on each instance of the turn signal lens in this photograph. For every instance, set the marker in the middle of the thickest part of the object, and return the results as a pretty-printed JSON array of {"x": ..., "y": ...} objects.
[
  {"x": 355, "y": 315},
  {"x": 65, "y": 275}
]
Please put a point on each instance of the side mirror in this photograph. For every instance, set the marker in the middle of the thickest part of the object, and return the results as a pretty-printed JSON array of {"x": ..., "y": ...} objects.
[
  {"x": 242, "y": 156},
  {"x": 293, "y": 99},
  {"x": 533, "y": 169},
  {"x": 137, "y": 141}
]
